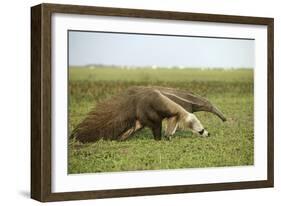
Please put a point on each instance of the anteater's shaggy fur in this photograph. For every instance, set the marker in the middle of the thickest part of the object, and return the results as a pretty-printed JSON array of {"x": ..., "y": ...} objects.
[{"x": 139, "y": 107}]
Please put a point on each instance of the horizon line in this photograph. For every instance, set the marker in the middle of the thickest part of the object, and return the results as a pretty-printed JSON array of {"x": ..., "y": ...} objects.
[{"x": 96, "y": 66}]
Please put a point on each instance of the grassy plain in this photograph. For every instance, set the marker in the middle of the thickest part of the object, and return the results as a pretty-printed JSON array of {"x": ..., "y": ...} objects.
[{"x": 231, "y": 142}]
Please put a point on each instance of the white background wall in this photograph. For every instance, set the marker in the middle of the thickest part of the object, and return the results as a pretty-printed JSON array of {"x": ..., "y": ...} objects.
[{"x": 15, "y": 102}]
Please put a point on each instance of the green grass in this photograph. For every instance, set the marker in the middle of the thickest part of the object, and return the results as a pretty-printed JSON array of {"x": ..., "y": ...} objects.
[
  {"x": 152, "y": 75},
  {"x": 231, "y": 143}
]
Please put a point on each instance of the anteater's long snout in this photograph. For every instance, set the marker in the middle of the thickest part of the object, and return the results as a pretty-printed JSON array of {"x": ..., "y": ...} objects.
[{"x": 217, "y": 112}]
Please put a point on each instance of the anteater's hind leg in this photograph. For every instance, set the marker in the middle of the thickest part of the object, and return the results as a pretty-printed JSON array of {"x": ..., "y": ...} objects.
[
  {"x": 172, "y": 125},
  {"x": 130, "y": 131},
  {"x": 126, "y": 134}
]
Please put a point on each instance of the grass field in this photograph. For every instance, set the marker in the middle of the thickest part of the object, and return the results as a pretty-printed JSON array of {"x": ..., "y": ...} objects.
[{"x": 231, "y": 142}]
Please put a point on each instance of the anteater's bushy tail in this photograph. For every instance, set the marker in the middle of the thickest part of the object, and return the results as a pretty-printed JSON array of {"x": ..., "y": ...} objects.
[{"x": 108, "y": 121}]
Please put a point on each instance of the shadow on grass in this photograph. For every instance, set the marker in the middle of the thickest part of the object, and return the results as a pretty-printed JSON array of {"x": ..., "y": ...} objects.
[{"x": 143, "y": 135}]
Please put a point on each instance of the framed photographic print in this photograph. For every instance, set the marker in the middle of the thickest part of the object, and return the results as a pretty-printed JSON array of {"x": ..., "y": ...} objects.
[{"x": 130, "y": 102}]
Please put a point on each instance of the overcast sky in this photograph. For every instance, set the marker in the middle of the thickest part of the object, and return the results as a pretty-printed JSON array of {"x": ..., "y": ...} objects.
[{"x": 147, "y": 50}]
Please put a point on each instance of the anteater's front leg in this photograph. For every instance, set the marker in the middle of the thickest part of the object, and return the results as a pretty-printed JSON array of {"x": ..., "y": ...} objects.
[
  {"x": 172, "y": 125},
  {"x": 156, "y": 130}
]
